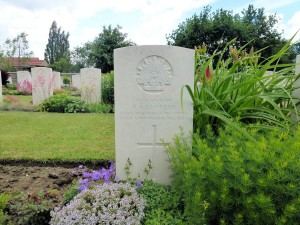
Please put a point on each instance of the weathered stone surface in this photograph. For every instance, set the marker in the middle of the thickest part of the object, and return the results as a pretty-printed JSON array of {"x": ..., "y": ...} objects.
[
  {"x": 42, "y": 84},
  {"x": 57, "y": 80},
  {"x": 23, "y": 75},
  {"x": 76, "y": 81},
  {"x": 148, "y": 113},
  {"x": 90, "y": 85},
  {"x": 297, "y": 84}
]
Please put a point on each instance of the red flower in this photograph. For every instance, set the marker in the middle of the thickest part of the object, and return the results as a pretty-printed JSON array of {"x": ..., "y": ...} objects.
[{"x": 207, "y": 73}]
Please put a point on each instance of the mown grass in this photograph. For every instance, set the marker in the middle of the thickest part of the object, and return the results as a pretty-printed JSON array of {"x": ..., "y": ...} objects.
[{"x": 56, "y": 136}]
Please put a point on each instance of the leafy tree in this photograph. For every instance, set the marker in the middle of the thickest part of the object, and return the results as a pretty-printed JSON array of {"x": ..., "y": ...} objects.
[
  {"x": 217, "y": 28},
  {"x": 63, "y": 65},
  {"x": 99, "y": 53},
  {"x": 104, "y": 45},
  {"x": 17, "y": 47},
  {"x": 58, "y": 45},
  {"x": 82, "y": 57}
]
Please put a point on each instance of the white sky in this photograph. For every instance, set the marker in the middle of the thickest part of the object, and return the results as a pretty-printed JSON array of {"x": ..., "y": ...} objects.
[{"x": 145, "y": 21}]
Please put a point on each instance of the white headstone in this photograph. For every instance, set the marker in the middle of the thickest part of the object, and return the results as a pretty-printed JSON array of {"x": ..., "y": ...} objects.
[
  {"x": 10, "y": 80},
  {"x": 23, "y": 75},
  {"x": 297, "y": 69},
  {"x": 148, "y": 82},
  {"x": 90, "y": 85},
  {"x": 0, "y": 87},
  {"x": 296, "y": 92},
  {"x": 42, "y": 84},
  {"x": 57, "y": 80},
  {"x": 76, "y": 81}
]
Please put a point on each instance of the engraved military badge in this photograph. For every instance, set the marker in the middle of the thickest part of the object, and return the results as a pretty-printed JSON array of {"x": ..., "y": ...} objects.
[{"x": 154, "y": 74}]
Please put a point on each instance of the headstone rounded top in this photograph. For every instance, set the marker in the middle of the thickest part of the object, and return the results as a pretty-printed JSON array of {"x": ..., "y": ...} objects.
[{"x": 154, "y": 74}]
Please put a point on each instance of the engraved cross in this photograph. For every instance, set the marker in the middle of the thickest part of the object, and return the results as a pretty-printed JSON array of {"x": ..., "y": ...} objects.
[{"x": 154, "y": 144}]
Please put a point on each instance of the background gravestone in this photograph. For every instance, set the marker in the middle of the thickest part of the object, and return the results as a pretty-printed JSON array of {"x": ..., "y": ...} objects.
[
  {"x": 10, "y": 80},
  {"x": 22, "y": 76},
  {"x": 42, "y": 84},
  {"x": 76, "y": 81},
  {"x": 57, "y": 80},
  {"x": 90, "y": 85},
  {"x": 0, "y": 87},
  {"x": 297, "y": 82},
  {"x": 148, "y": 82}
]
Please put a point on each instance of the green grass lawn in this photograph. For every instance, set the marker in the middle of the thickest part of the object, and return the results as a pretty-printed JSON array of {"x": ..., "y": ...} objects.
[
  {"x": 56, "y": 136},
  {"x": 25, "y": 99}
]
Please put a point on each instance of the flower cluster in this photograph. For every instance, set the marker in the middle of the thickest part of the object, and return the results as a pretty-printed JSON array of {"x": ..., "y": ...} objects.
[
  {"x": 11, "y": 99},
  {"x": 107, "y": 203},
  {"x": 89, "y": 178},
  {"x": 25, "y": 87}
]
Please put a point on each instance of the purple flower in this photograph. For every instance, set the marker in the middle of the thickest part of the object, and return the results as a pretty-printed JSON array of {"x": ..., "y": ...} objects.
[
  {"x": 86, "y": 174},
  {"x": 112, "y": 166},
  {"x": 138, "y": 184},
  {"x": 81, "y": 188},
  {"x": 73, "y": 173},
  {"x": 80, "y": 166},
  {"x": 96, "y": 175},
  {"x": 84, "y": 184}
]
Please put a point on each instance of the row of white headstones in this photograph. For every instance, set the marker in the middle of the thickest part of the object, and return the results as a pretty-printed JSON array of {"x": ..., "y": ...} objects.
[
  {"x": 44, "y": 81},
  {"x": 148, "y": 106}
]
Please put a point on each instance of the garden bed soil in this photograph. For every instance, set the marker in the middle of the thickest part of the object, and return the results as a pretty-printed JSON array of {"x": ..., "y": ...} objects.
[{"x": 32, "y": 179}]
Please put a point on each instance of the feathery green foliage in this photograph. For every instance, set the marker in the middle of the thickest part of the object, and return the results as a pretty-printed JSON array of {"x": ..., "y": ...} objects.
[{"x": 233, "y": 180}]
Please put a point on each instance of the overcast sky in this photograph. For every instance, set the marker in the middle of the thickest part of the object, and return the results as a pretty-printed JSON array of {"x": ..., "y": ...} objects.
[{"x": 145, "y": 21}]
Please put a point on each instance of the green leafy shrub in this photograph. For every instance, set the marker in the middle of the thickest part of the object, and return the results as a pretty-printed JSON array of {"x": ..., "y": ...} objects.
[
  {"x": 31, "y": 209},
  {"x": 239, "y": 89},
  {"x": 7, "y": 91},
  {"x": 99, "y": 108},
  {"x": 62, "y": 103},
  {"x": 11, "y": 86},
  {"x": 107, "y": 88},
  {"x": 71, "y": 193},
  {"x": 4, "y": 199},
  {"x": 230, "y": 179},
  {"x": 66, "y": 80},
  {"x": 162, "y": 204}
]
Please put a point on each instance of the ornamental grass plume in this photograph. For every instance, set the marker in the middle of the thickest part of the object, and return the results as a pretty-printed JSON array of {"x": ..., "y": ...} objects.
[{"x": 108, "y": 203}]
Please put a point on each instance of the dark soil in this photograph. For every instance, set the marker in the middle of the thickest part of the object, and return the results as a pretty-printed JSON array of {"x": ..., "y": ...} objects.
[{"x": 30, "y": 180}]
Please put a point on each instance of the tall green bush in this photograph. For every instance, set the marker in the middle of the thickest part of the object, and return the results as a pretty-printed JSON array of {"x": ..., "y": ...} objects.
[
  {"x": 233, "y": 180},
  {"x": 238, "y": 89},
  {"x": 107, "y": 89}
]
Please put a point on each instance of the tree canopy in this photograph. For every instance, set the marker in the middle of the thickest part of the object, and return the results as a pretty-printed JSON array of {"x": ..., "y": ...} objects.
[
  {"x": 58, "y": 45},
  {"x": 17, "y": 47},
  {"x": 104, "y": 45},
  {"x": 217, "y": 28}
]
